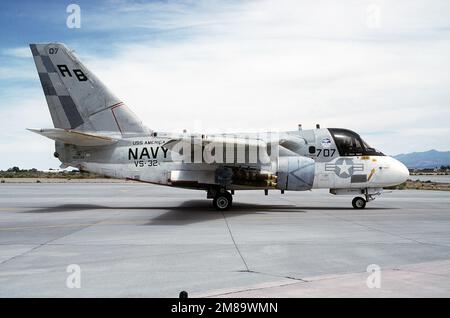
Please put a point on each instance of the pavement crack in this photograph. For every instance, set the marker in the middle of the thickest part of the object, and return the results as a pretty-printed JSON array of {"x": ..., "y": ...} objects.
[
  {"x": 421, "y": 272},
  {"x": 34, "y": 248},
  {"x": 375, "y": 229},
  {"x": 382, "y": 231},
  {"x": 273, "y": 275},
  {"x": 21, "y": 254},
  {"x": 295, "y": 278},
  {"x": 248, "y": 290},
  {"x": 235, "y": 244},
  {"x": 52, "y": 240}
]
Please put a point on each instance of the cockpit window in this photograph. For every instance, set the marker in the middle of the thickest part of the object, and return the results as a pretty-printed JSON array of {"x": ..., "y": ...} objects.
[{"x": 350, "y": 143}]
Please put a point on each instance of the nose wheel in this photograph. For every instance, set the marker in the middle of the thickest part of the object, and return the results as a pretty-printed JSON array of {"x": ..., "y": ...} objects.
[{"x": 359, "y": 203}]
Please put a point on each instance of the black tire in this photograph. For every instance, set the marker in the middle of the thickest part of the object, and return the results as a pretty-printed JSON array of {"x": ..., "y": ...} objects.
[
  {"x": 359, "y": 203},
  {"x": 223, "y": 201}
]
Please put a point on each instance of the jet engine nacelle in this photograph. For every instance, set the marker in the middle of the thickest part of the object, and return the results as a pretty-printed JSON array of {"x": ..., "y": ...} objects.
[{"x": 295, "y": 173}]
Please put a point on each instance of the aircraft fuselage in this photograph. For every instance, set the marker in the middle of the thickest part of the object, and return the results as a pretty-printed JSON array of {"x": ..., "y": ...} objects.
[{"x": 146, "y": 159}]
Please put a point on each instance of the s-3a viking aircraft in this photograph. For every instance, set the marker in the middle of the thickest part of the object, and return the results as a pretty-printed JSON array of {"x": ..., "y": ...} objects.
[{"x": 94, "y": 131}]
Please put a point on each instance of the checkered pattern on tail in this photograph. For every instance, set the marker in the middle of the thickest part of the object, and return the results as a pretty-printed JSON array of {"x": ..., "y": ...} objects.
[
  {"x": 76, "y": 98},
  {"x": 61, "y": 105}
]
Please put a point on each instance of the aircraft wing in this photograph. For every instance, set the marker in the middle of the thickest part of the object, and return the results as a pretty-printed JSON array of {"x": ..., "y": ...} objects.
[
  {"x": 239, "y": 145},
  {"x": 74, "y": 137},
  {"x": 225, "y": 141}
]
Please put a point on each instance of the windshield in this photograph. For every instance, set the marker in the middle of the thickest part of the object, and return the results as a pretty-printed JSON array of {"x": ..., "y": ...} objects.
[
  {"x": 371, "y": 151},
  {"x": 350, "y": 143}
]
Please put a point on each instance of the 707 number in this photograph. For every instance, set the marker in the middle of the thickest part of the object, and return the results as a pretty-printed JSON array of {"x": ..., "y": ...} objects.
[{"x": 326, "y": 152}]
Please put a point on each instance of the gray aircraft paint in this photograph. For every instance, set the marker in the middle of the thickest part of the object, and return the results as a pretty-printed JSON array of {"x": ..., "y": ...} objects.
[{"x": 80, "y": 105}]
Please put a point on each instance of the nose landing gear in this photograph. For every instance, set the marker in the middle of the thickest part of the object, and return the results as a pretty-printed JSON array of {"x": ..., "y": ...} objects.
[{"x": 359, "y": 203}]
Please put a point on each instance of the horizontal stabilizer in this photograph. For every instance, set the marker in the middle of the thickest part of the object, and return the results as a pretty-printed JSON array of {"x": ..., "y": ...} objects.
[{"x": 73, "y": 137}]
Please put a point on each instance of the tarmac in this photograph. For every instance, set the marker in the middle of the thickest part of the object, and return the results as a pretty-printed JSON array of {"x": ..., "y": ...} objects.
[{"x": 139, "y": 240}]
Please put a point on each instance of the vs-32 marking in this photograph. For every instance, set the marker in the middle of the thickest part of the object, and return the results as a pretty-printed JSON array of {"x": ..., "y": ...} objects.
[{"x": 146, "y": 156}]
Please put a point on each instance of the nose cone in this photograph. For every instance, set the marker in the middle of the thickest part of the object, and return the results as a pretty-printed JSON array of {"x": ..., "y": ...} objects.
[
  {"x": 399, "y": 171},
  {"x": 389, "y": 172}
]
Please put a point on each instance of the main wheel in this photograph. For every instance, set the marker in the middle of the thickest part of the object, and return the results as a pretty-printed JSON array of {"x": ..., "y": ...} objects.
[
  {"x": 359, "y": 203},
  {"x": 222, "y": 201}
]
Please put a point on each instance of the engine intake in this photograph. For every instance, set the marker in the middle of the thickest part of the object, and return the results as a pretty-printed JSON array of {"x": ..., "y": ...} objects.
[{"x": 295, "y": 173}]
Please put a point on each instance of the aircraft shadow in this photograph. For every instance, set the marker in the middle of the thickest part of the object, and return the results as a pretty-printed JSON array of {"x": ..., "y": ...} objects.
[
  {"x": 188, "y": 206},
  {"x": 197, "y": 205},
  {"x": 192, "y": 211}
]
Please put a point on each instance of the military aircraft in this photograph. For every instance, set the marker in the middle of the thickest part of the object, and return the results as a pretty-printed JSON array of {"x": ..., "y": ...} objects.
[{"x": 94, "y": 131}]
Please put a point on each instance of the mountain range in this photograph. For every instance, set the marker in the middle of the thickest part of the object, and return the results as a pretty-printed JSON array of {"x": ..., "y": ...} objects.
[{"x": 426, "y": 159}]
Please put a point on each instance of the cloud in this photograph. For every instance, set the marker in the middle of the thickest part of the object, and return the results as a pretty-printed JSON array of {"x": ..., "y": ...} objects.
[
  {"x": 273, "y": 66},
  {"x": 21, "y": 52},
  {"x": 269, "y": 65},
  {"x": 19, "y": 146}
]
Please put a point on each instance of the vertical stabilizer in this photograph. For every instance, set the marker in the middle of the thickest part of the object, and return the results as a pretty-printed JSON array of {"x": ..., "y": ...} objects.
[{"x": 76, "y": 98}]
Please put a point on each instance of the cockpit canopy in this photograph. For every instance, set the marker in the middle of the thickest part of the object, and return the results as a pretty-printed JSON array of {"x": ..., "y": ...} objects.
[{"x": 350, "y": 143}]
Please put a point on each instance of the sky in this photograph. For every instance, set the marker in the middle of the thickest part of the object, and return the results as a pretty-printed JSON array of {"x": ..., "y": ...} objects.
[{"x": 381, "y": 68}]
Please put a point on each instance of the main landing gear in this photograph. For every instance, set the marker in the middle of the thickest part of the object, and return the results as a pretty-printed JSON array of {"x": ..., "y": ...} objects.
[{"x": 222, "y": 199}]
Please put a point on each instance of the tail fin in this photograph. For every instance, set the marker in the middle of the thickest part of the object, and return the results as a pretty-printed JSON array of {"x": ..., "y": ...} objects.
[{"x": 76, "y": 98}]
